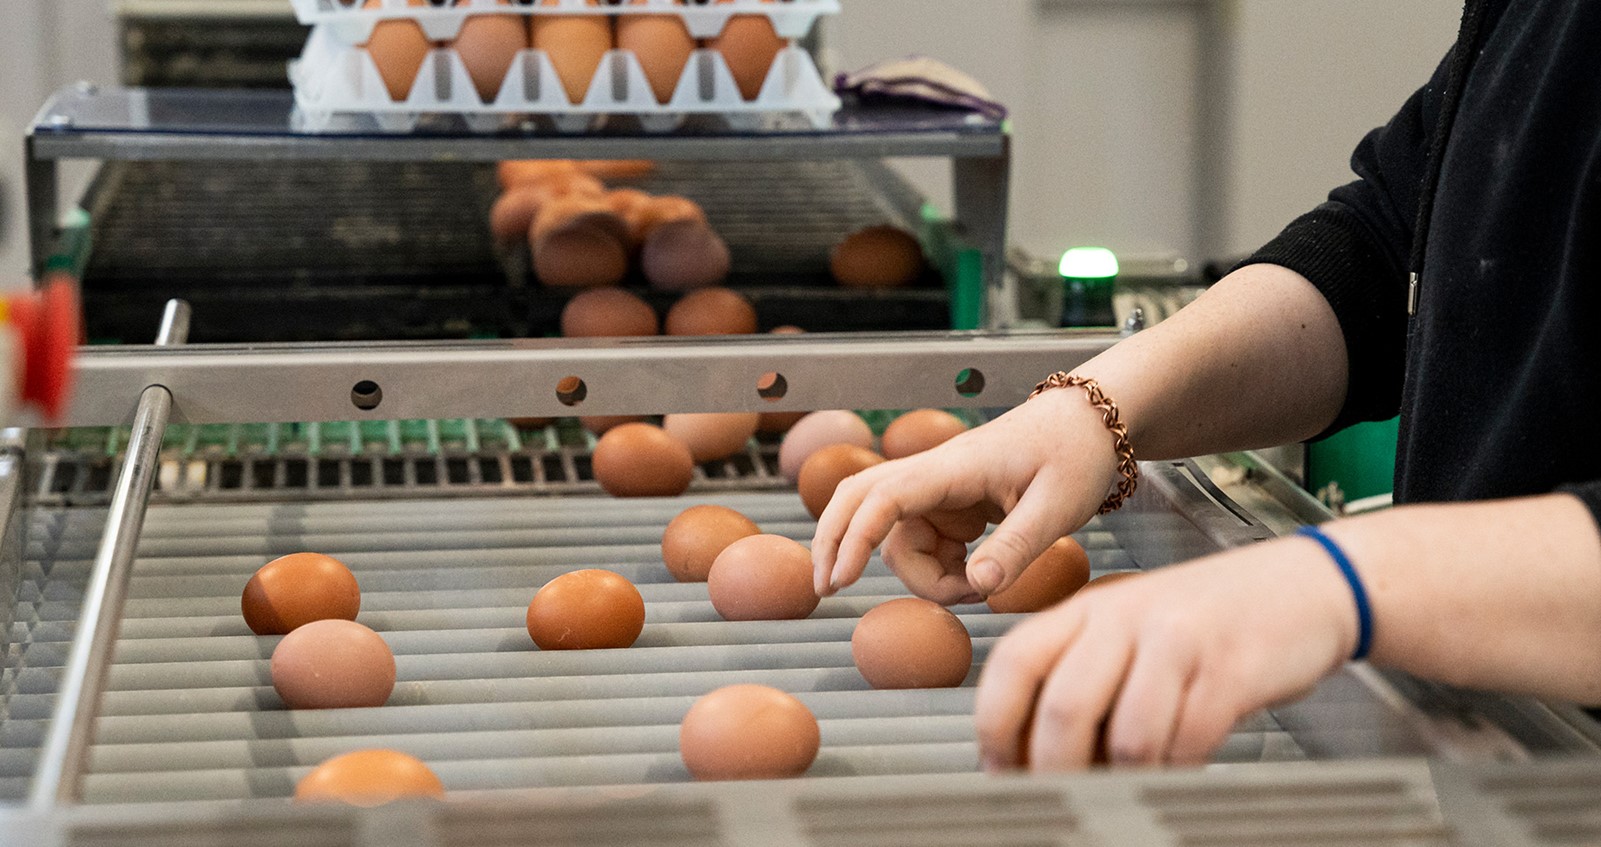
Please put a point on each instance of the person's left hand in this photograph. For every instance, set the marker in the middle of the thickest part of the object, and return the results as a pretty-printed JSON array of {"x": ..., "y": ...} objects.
[{"x": 1161, "y": 667}]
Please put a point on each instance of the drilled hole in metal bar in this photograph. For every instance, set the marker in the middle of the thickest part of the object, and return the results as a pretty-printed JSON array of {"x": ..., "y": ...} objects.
[
  {"x": 366, "y": 395},
  {"x": 970, "y": 382},
  {"x": 772, "y": 386},
  {"x": 571, "y": 391}
]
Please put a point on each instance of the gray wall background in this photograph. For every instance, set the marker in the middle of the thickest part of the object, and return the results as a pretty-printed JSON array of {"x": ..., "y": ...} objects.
[{"x": 1192, "y": 126}]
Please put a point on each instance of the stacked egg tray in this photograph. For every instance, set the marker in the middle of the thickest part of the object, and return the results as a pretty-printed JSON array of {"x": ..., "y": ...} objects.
[
  {"x": 189, "y": 714},
  {"x": 335, "y": 76},
  {"x": 359, "y": 251}
]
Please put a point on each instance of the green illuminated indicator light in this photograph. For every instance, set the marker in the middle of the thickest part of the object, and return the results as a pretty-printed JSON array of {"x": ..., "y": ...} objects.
[{"x": 1089, "y": 263}]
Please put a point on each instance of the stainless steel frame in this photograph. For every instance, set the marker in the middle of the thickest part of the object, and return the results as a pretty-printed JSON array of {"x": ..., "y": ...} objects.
[{"x": 83, "y": 122}]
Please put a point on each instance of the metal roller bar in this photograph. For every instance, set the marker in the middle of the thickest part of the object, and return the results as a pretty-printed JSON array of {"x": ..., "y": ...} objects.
[
  {"x": 61, "y": 766},
  {"x": 494, "y": 379}
]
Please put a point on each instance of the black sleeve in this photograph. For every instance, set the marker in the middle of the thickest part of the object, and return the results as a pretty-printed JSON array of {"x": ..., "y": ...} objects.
[
  {"x": 1589, "y": 493},
  {"x": 1355, "y": 248}
]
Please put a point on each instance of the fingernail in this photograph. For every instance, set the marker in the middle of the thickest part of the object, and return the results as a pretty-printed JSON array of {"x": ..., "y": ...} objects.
[
  {"x": 987, "y": 576},
  {"x": 991, "y": 765}
]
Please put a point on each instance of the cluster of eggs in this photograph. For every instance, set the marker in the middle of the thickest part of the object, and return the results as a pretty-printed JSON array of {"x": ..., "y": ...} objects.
[
  {"x": 583, "y": 235},
  {"x": 488, "y": 44}
]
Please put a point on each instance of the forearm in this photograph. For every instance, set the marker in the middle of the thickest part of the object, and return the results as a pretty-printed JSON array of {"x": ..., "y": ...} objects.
[
  {"x": 1502, "y": 595},
  {"x": 1257, "y": 360}
]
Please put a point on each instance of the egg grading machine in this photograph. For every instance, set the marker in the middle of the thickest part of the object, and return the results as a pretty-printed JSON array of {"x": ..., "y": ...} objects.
[{"x": 139, "y": 712}]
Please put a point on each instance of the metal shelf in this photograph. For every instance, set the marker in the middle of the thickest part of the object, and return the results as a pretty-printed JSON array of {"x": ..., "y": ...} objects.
[{"x": 135, "y": 124}]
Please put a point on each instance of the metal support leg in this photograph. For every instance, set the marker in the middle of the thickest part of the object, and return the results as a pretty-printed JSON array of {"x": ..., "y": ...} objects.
[
  {"x": 62, "y": 764},
  {"x": 982, "y": 189},
  {"x": 44, "y": 212}
]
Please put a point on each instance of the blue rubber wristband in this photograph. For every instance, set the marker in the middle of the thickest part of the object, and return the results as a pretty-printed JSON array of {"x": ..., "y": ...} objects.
[{"x": 1364, "y": 611}]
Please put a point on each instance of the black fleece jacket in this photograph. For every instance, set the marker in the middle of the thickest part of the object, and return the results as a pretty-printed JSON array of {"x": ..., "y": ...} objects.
[{"x": 1488, "y": 185}]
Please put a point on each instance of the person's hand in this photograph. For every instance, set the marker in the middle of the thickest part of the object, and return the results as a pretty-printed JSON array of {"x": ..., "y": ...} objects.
[
  {"x": 1160, "y": 668},
  {"x": 1040, "y": 471}
]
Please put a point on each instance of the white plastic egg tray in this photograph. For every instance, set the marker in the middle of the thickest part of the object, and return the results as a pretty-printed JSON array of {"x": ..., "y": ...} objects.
[{"x": 336, "y": 77}]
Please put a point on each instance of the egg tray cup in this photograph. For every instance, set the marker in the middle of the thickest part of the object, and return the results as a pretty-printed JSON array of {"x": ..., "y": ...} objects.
[
  {"x": 353, "y": 25},
  {"x": 333, "y": 79}
]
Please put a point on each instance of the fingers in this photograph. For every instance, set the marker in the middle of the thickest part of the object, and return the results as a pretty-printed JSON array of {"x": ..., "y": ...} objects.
[
  {"x": 1075, "y": 699},
  {"x": 1141, "y": 728},
  {"x": 865, "y": 508},
  {"x": 1011, "y": 681},
  {"x": 1207, "y": 716},
  {"x": 1038, "y": 519},
  {"x": 929, "y": 563}
]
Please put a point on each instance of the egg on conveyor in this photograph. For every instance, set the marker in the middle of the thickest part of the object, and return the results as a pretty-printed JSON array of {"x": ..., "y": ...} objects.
[
  {"x": 748, "y": 732},
  {"x": 661, "y": 43},
  {"x": 296, "y": 589},
  {"x": 333, "y": 664},
  {"x": 369, "y": 778},
  {"x": 712, "y": 436},
  {"x": 578, "y": 241},
  {"x": 586, "y": 610},
  {"x": 826, "y": 469},
  {"x": 694, "y": 539},
  {"x": 608, "y": 313},
  {"x": 1056, "y": 575},
  {"x": 711, "y": 311},
  {"x": 912, "y": 643},
  {"x": 762, "y": 578},
  {"x": 877, "y": 257},
  {"x": 488, "y": 44},
  {"x": 576, "y": 45},
  {"x": 640, "y": 460},
  {"x": 920, "y": 430},
  {"x": 816, "y": 431}
]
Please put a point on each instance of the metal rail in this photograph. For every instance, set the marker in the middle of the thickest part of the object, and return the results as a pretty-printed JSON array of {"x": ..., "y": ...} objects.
[
  {"x": 62, "y": 763},
  {"x": 496, "y": 379}
]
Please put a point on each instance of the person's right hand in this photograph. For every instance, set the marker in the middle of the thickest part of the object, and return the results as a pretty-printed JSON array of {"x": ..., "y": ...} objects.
[{"x": 1040, "y": 471}]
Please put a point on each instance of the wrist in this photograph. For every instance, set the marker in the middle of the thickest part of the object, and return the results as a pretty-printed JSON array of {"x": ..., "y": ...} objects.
[{"x": 1347, "y": 605}]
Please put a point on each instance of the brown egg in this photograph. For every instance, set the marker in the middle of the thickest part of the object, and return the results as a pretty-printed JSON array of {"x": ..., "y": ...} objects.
[
  {"x": 669, "y": 208},
  {"x": 762, "y": 578},
  {"x": 578, "y": 241},
  {"x": 640, "y": 460},
  {"x": 576, "y": 44},
  {"x": 333, "y": 664},
  {"x": 681, "y": 255},
  {"x": 877, "y": 257},
  {"x": 714, "y": 436},
  {"x": 695, "y": 538},
  {"x": 661, "y": 43},
  {"x": 602, "y": 424},
  {"x": 826, "y": 469},
  {"x": 513, "y": 215},
  {"x": 1106, "y": 579},
  {"x": 816, "y": 431},
  {"x": 711, "y": 311},
  {"x": 398, "y": 48},
  {"x": 748, "y": 732},
  {"x": 629, "y": 205},
  {"x": 1060, "y": 571},
  {"x": 610, "y": 169},
  {"x": 369, "y": 778},
  {"x": 488, "y": 44},
  {"x": 607, "y": 313},
  {"x": 749, "y": 45},
  {"x": 297, "y": 589},
  {"x": 912, "y": 643},
  {"x": 921, "y": 430},
  {"x": 586, "y": 610},
  {"x": 518, "y": 171}
]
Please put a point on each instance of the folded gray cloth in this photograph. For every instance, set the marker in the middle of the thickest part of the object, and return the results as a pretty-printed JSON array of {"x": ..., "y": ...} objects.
[{"x": 921, "y": 79}]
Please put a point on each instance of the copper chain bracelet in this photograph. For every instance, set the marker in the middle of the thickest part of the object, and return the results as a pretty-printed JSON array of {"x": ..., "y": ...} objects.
[{"x": 1120, "y": 443}]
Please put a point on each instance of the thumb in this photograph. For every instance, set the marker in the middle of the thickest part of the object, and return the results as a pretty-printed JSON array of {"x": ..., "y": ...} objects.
[{"x": 1033, "y": 525}]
